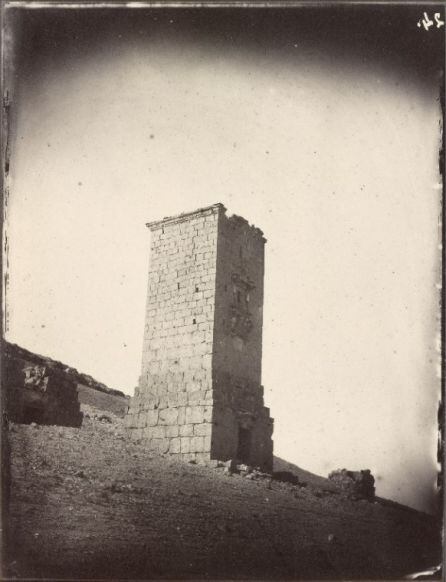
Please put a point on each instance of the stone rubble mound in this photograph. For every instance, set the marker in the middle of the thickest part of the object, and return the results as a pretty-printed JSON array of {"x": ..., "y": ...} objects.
[{"x": 354, "y": 484}]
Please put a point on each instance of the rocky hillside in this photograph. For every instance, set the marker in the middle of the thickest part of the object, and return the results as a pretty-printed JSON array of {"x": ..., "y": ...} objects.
[{"x": 89, "y": 503}]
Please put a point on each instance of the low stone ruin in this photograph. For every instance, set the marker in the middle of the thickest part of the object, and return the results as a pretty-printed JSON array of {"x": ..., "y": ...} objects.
[
  {"x": 354, "y": 484},
  {"x": 39, "y": 394}
]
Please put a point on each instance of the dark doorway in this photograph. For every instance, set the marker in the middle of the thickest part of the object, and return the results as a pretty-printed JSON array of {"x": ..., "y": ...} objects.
[
  {"x": 244, "y": 444},
  {"x": 32, "y": 414}
]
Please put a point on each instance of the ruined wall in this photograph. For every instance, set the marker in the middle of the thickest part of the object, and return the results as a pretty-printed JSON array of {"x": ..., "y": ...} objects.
[
  {"x": 242, "y": 427},
  {"x": 89, "y": 391},
  {"x": 36, "y": 393},
  {"x": 172, "y": 407}
]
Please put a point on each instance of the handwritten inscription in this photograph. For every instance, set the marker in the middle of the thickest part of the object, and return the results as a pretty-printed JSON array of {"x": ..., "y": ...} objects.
[{"x": 426, "y": 22}]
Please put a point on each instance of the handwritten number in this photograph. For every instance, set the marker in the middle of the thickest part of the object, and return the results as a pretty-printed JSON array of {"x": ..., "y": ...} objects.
[
  {"x": 439, "y": 22},
  {"x": 427, "y": 22}
]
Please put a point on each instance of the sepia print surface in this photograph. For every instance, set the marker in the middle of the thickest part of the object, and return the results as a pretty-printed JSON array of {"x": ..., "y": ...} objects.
[{"x": 222, "y": 282}]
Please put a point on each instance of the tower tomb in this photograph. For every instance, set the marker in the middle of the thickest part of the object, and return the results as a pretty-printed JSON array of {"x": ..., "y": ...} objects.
[{"x": 199, "y": 396}]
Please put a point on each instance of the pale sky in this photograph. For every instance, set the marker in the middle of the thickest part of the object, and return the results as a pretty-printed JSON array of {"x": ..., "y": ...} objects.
[{"x": 336, "y": 163}]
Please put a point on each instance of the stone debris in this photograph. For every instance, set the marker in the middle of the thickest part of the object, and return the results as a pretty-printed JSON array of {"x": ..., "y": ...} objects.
[
  {"x": 286, "y": 477},
  {"x": 354, "y": 484},
  {"x": 231, "y": 465}
]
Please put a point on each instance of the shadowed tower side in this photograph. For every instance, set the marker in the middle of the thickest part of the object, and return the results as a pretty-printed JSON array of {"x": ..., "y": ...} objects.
[{"x": 199, "y": 394}]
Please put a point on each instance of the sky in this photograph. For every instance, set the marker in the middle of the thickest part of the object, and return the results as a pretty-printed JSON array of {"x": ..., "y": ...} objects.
[{"x": 319, "y": 126}]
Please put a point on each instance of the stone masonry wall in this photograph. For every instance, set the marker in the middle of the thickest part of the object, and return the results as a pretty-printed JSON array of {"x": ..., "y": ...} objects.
[
  {"x": 239, "y": 410},
  {"x": 171, "y": 411},
  {"x": 37, "y": 393}
]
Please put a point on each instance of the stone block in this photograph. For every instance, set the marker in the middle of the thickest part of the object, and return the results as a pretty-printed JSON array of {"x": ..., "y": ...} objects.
[
  {"x": 156, "y": 432},
  {"x": 152, "y": 417},
  {"x": 194, "y": 414},
  {"x": 196, "y": 396},
  {"x": 172, "y": 399},
  {"x": 168, "y": 416},
  {"x": 182, "y": 398},
  {"x": 152, "y": 403},
  {"x": 163, "y": 402},
  {"x": 204, "y": 429},
  {"x": 186, "y": 429},
  {"x": 181, "y": 415},
  {"x": 159, "y": 445},
  {"x": 202, "y": 458},
  {"x": 185, "y": 444},
  {"x": 175, "y": 445},
  {"x": 172, "y": 431},
  {"x": 196, "y": 444}
]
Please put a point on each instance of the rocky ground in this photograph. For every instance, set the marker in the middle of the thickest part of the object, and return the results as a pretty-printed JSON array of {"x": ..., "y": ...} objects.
[{"x": 89, "y": 503}]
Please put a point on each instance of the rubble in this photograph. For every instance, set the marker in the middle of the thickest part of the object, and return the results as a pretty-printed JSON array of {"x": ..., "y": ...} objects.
[{"x": 354, "y": 484}]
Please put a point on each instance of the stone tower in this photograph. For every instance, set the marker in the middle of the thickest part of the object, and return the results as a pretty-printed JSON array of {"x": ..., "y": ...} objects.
[{"x": 200, "y": 395}]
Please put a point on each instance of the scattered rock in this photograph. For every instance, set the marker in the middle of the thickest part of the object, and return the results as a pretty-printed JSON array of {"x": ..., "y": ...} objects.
[
  {"x": 231, "y": 465},
  {"x": 213, "y": 463}
]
